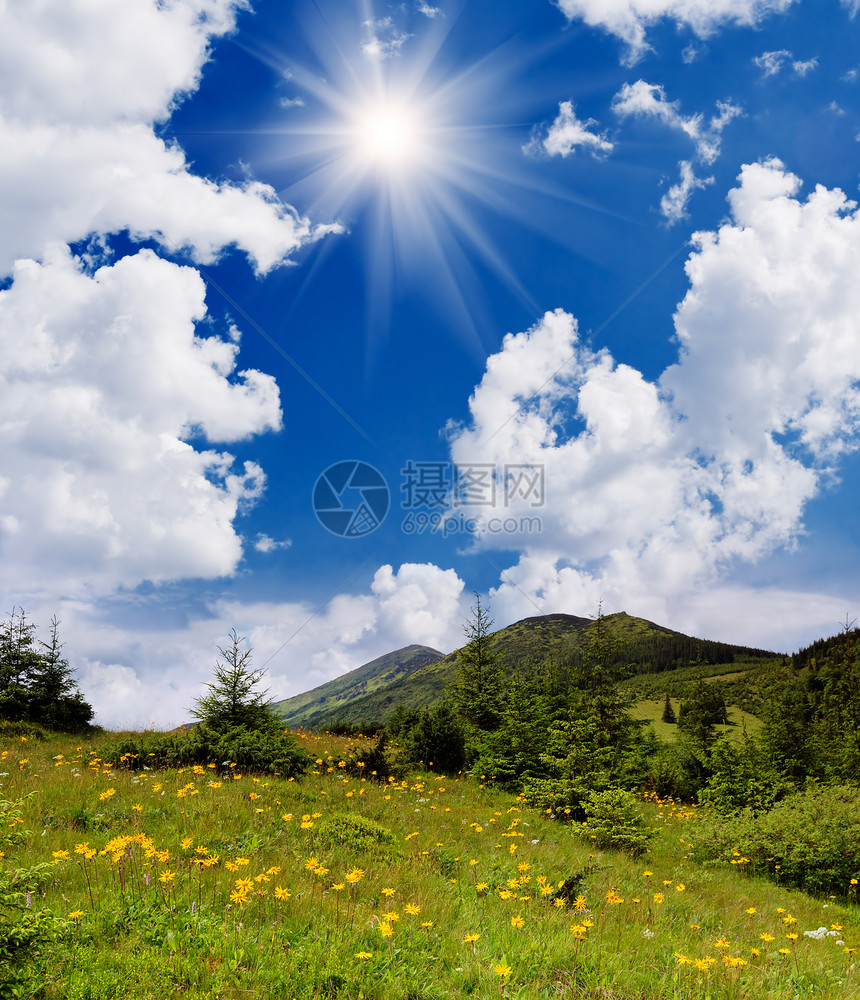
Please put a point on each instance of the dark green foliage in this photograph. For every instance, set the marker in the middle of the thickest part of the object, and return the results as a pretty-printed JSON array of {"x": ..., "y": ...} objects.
[
  {"x": 660, "y": 653},
  {"x": 234, "y": 698},
  {"x": 703, "y": 710},
  {"x": 742, "y": 778},
  {"x": 477, "y": 685},
  {"x": 613, "y": 820},
  {"x": 379, "y": 763},
  {"x": 680, "y": 769},
  {"x": 431, "y": 738},
  {"x": 669, "y": 712},
  {"x": 36, "y": 682},
  {"x": 790, "y": 844},
  {"x": 268, "y": 749},
  {"x": 812, "y": 728},
  {"x": 512, "y": 754},
  {"x": 591, "y": 743}
]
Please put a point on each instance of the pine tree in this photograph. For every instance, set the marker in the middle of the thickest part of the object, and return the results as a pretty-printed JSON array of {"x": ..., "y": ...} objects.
[
  {"x": 38, "y": 685},
  {"x": 54, "y": 697},
  {"x": 477, "y": 689},
  {"x": 669, "y": 712},
  {"x": 234, "y": 698},
  {"x": 18, "y": 658}
]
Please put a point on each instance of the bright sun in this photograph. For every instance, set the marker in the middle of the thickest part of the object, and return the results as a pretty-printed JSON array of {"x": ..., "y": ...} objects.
[{"x": 387, "y": 135}]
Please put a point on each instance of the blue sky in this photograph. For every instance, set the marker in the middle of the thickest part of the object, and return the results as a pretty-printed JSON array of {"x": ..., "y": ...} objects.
[{"x": 592, "y": 265}]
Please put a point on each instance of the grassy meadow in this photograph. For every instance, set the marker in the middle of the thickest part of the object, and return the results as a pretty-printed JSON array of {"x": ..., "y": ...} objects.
[{"x": 205, "y": 882}]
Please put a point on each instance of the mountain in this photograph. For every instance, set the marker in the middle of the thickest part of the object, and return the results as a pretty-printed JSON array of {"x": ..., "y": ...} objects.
[
  {"x": 372, "y": 692},
  {"x": 331, "y": 699}
]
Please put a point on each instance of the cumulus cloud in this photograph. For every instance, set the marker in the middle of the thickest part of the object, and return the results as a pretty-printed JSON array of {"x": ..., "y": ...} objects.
[
  {"x": 115, "y": 402},
  {"x": 130, "y": 676},
  {"x": 567, "y": 133},
  {"x": 77, "y": 142},
  {"x": 654, "y": 489},
  {"x": 71, "y": 182},
  {"x": 629, "y": 20},
  {"x": 105, "y": 385},
  {"x": 91, "y": 62}
]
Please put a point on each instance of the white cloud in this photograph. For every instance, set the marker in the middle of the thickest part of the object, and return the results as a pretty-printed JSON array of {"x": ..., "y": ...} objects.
[
  {"x": 82, "y": 83},
  {"x": 567, "y": 133},
  {"x": 692, "y": 52},
  {"x": 78, "y": 180},
  {"x": 630, "y": 19},
  {"x": 802, "y": 67},
  {"x": 427, "y": 10},
  {"x": 673, "y": 204},
  {"x": 385, "y": 41},
  {"x": 114, "y": 401},
  {"x": 291, "y": 102},
  {"x": 852, "y": 6},
  {"x": 770, "y": 63},
  {"x": 656, "y": 489},
  {"x": 91, "y": 62},
  {"x": 265, "y": 543},
  {"x": 104, "y": 386},
  {"x": 649, "y": 100},
  {"x": 130, "y": 675}
]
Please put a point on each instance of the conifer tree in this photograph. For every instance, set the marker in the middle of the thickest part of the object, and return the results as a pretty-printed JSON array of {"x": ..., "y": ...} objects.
[
  {"x": 38, "y": 685},
  {"x": 234, "y": 698},
  {"x": 669, "y": 712},
  {"x": 477, "y": 688}
]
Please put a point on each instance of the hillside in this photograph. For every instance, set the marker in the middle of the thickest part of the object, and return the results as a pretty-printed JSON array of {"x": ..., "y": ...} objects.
[
  {"x": 394, "y": 890},
  {"x": 538, "y": 643},
  {"x": 331, "y": 698}
]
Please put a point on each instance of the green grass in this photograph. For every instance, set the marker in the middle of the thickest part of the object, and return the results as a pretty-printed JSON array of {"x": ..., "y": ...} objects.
[
  {"x": 440, "y": 852},
  {"x": 652, "y": 712}
]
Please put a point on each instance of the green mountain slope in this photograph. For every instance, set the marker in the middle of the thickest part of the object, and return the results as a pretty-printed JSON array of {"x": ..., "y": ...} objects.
[
  {"x": 543, "y": 642},
  {"x": 330, "y": 699}
]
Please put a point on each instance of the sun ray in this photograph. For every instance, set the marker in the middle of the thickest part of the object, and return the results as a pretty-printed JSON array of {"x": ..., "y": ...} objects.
[{"x": 418, "y": 155}]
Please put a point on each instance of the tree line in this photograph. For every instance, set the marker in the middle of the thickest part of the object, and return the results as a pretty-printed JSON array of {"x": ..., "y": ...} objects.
[
  {"x": 561, "y": 729},
  {"x": 37, "y": 684}
]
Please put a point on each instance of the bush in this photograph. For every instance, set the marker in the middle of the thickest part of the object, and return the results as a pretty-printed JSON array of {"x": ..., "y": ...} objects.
[
  {"x": 270, "y": 749},
  {"x": 614, "y": 821},
  {"x": 742, "y": 778},
  {"x": 432, "y": 735},
  {"x": 790, "y": 844},
  {"x": 355, "y": 832},
  {"x": 374, "y": 764}
]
